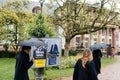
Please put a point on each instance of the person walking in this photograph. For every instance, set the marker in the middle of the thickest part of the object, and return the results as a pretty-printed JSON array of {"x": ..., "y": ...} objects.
[
  {"x": 113, "y": 52},
  {"x": 97, "y": 55},
  {"x": 109, "y": 51},
  {"x": 23, "y": 63},
  {"x": 84, "y": 68}
]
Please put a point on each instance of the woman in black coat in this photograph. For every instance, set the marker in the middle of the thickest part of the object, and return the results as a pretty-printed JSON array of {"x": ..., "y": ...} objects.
[
  {"x": 97, "y": 55},
  {"x": 84, "y": 68},
  {"x": 23, "y": 63}
]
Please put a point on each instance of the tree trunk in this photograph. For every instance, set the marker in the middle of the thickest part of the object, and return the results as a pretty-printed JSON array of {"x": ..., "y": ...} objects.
[
  {"x": 15, "y": 47},
  {"x": 6, "y": 49},
  {"x": 67, "y": 48}
]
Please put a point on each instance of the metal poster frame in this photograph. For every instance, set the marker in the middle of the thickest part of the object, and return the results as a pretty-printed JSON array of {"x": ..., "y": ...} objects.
[{"x": 47, "y": 55}]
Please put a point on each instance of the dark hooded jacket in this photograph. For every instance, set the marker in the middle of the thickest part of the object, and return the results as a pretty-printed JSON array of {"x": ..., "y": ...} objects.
[
  {"x": 23, "y": 63},
  {"x": 97, "y": 55},
  {"x": 88, "y": 73}
]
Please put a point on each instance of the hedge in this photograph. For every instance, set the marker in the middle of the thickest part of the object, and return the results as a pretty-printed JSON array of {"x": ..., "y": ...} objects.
[
  {"x": 74, "y": 53},
  {"x": 7, "y": 54}
]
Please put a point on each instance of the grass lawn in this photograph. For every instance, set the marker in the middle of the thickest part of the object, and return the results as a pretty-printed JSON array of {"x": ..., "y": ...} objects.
[
  {"x": 7, "y": 66},
  {"x": 107, "y": 61}
]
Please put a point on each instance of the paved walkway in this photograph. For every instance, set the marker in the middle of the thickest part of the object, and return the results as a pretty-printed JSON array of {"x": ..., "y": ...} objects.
[{"x": 111, "y": 72}]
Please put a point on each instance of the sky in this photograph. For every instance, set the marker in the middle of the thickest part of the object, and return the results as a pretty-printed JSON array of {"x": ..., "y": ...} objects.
[
  {"x": 46, "y": 1},
  {"x": 86, "y": 0},
  {"x": 89, "y": 1}
]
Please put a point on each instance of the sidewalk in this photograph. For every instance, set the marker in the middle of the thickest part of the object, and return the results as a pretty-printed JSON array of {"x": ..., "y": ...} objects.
[{"x": 111, "y": 72}]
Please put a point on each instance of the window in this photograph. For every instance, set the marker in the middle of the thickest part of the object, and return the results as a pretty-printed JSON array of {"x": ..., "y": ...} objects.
[
  {"x": 36, "y": 9},
  {"x": 86, "y": 42},
  {"x": 103, "y": 40},
  {"x": 77, "y": 41},
  {"x": 86, "y": 39},
  {"x": 103, "y": 31},
  {"x": 110, "y": 32},
  {"x": 95, "y": 40},
  {"x": 95, "y": 33},
  {"x": 110, "y": 41}
]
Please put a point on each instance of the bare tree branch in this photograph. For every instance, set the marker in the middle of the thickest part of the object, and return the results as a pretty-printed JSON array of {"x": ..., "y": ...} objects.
[
  {"x": 81, "y": 6},
  {"x": 99, "y": 13}
]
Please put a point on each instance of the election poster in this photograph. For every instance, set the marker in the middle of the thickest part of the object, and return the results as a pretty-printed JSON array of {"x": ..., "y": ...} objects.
[
  {"x": 48, "y": 54},
  {"x": 53, "y": 51},
  {"x": 39, "y": 55}
]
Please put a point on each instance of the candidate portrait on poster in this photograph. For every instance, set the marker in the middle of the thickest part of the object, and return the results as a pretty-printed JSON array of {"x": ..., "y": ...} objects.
[
  {"x": 39, "y": 55},
  {"x": 39, "y": 52},
  {"x": 53, "y": 51}
]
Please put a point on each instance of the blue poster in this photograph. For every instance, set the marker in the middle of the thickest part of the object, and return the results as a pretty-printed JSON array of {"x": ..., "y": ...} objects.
[{"x": 53, "y": 51}]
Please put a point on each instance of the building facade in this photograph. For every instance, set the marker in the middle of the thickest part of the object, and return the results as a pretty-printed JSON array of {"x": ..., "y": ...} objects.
[{"x": 108, "y": 36}]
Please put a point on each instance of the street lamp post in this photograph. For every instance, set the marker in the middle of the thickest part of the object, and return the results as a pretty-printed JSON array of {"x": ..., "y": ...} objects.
[
  {"x": 41, "y": 4},
  {"x": 40, "y": 71}
]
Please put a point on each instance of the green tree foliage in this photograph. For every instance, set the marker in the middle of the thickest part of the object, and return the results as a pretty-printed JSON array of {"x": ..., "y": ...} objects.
[
  {"x": 6, "y": 46},
  {"x": 77, "y": 17},
  {"x": 42, "y": 27},
  {"x": 13, "y": 20}
]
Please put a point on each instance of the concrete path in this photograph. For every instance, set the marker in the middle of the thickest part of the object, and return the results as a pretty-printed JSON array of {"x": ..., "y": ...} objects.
[{"x": 111, "y": 72}]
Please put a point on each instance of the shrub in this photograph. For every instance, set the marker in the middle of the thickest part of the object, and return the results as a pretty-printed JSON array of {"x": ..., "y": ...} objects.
[
  {"x": 6, "y": 46},
  {"x": 69, "y": 62},
  {"x": 7, "y": 54},
  {"x": 74, "y": 53}
]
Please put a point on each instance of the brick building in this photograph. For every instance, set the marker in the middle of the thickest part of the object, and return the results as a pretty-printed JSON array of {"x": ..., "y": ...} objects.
[{"x": 107, "y": 36}]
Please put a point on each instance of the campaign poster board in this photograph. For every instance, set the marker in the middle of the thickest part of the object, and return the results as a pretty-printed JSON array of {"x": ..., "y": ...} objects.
[
  {"x": 54, "y": 51},
  {"x": 39, "y": 55},
  {"x": 48, "y": 54}
]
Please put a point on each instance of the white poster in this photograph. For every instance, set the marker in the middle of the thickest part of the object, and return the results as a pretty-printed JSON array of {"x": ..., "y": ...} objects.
[{"x": 53, "y": 51}]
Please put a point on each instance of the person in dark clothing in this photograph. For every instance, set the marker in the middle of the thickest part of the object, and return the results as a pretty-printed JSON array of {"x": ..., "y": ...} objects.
[
  {"x": 23, "y": 63},
  {"x": 109, "y": 50},
  {"x": 97, "y": 55},
  {"x": 53, "y": 54},
  {"x": 84, "y": 68},
  {"x": 54, "y": 49}
]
